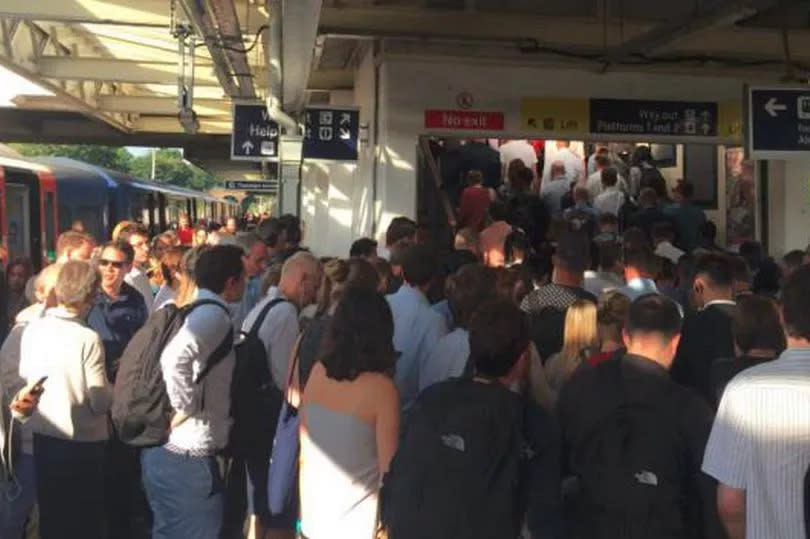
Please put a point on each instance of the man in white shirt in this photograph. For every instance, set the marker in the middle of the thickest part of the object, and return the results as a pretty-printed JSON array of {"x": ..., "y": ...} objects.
[
  {"x": 758, "y": 449},
  {"x": 663, "y": 234},
  {"x": 518, "y": 149},
  {"x": 278, "y": 315},
  {"x": 574, "y": 164},
  {"x": 137, "y": 236},
  {"x": 611, "y": 199},
  {"x": 181, "y": 479},
  {"x": 594, "y": 184}
]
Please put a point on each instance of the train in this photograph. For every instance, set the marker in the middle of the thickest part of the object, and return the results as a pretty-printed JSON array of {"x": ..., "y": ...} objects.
[{"x": 43, "y": 196}]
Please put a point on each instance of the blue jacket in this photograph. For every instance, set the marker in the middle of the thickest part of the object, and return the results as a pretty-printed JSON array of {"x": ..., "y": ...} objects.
[{"x": 116, "y": 321}]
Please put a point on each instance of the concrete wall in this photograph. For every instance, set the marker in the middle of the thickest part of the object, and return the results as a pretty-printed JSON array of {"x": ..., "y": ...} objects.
[{"x": 342, "y": 203}]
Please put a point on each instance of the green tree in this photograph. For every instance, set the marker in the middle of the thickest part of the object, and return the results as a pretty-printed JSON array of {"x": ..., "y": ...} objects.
[
  {"x": 170, "y": 167},
  {"x": 104, "y": 156}
]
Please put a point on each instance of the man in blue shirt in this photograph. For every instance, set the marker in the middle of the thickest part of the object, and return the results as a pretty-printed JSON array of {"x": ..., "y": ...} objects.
[
  {"x": 417, "y": 327},
  {"x": 119, "y": 311},
  {"x": 687, "y": 217}
]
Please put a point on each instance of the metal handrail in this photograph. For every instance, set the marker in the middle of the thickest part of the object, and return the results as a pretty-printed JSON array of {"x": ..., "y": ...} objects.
[{"x": 450, "y": 214}]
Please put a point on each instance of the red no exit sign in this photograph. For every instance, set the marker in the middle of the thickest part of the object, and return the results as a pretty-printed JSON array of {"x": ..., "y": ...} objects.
[{"x": 464, "y": 119}]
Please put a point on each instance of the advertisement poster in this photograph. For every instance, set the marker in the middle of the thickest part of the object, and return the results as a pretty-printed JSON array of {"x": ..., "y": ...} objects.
[{"x": 741, "y": 193}]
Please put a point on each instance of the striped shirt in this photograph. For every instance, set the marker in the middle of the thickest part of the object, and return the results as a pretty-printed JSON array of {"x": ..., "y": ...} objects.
[{"x": 760, "y": 442}]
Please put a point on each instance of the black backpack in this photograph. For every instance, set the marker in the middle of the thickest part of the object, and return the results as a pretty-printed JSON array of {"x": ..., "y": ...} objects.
[
  {"x": 633, "y": 468},
  {"x": 652, "y": 177},
  {"x": 255, "y": 399},
  {"x": 456, "y": 471},
  {"x": 141, "y": 409}
]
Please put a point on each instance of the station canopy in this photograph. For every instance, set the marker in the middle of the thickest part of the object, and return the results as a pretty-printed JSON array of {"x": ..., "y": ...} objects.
[{"x": 121, "y": 62}]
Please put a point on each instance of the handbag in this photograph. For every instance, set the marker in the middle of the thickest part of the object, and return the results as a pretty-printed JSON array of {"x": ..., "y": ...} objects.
[{"x": 284, "y": 455}]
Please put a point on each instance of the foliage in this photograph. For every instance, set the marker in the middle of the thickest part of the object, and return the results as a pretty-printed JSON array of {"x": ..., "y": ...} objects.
[
  {"x": 170, "y": 167},
  {"x": 103, "y": 156}
]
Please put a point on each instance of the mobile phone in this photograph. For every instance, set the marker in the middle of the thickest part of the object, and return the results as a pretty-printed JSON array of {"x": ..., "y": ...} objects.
[{"x": 38, "y": 388}]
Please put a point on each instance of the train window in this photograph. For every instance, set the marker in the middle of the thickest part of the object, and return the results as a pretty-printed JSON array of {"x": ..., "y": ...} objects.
[
  {"x": 48, "y": 234},
  {"x": 19, "y": 231}
]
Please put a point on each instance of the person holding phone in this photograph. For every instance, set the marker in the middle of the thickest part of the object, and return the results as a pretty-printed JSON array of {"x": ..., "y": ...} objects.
[{"x": 67, "y": 397}]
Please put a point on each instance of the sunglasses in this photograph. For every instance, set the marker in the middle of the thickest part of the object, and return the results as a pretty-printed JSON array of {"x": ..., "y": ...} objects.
[{"x": 117, "y": 264}]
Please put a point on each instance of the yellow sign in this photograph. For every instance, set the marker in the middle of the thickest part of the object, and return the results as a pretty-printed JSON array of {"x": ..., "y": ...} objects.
[
  {"x": 729, "y": 120},
  {"x": 555, "y": 115}
]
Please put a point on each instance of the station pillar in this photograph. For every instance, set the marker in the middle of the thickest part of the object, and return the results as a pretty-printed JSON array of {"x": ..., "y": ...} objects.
[{"x": 289, "y": 172}]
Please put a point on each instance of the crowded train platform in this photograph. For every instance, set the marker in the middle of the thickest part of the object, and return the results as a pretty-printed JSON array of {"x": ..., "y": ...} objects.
[{"x": 583, "y": 361}]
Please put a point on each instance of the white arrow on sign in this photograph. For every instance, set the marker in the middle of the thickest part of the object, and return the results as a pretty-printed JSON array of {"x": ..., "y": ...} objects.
[
  {"x": 772, "y": 107},
  {"x": 247, "y": 146}
]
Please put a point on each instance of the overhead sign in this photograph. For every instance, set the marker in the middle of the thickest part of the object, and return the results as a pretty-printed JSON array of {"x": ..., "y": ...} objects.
[
  {"x": 633, "y": 117},
  {"x": 778, "y": 122},
  {"x": 263, "y": 186},
  {"x": 555, "y": 115},
  {"x": 331, "y": 133},
  {"x": 637, "y": 117},
  {"x": 468, "y": 120},
  {"x": 255, "y": 134}
]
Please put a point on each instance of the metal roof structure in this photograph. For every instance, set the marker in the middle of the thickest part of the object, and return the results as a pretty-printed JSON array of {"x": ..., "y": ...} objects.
[{"x": 120, "y": 62}]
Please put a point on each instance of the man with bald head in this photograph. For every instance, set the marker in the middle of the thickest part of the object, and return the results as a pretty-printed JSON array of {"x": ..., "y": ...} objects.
[
  {"x": 277, "y": 317},
  {"x": 553, "y": 190}
]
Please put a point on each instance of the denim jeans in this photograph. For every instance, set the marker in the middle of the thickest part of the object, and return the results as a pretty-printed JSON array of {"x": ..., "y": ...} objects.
[
  {"x": 17, "y": 498},
  {"x": 185, "y": 494},
  {"x": 70, "y": 487}
]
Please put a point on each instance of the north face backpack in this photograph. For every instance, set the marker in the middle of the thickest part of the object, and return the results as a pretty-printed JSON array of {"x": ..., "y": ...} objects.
[
  {"x": 456, "y": 471},
  {"x": 255, "y": 399},
  {"x": 141, "y": 408},
  {"x": 632, "y": 468}
]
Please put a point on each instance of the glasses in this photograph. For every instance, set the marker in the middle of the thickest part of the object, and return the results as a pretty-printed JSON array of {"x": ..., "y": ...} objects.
[{"x": 117, "y": 264}]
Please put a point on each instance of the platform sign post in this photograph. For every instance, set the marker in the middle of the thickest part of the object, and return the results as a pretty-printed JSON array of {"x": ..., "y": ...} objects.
[
  {"x": 255, "y": 135},
  {"x": 778, "y": 123}
]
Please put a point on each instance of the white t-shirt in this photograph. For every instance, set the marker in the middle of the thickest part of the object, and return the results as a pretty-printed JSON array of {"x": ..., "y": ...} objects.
[
  {"x": 518, "y": 149},
  {"x": 594, "y": 184}
]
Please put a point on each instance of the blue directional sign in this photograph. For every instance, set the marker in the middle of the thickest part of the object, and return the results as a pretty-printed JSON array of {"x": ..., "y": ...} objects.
[
  {"x": 255, "y": 134},
  {"x": 254, "y": 186},
  {"x": 331, "y": 133},
  {"x": 659, "y": 118},
  {"x": 778, "y": 122}
]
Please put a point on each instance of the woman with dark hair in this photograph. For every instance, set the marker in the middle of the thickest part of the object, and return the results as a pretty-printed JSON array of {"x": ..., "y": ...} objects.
[
  {"x": 171, "y": 270},
  {"x": 758, "y": 337},
  {"x": 349, "y": 421},
  {"x": 17, "y": 274},
  {"x": 338, "y": 275}
]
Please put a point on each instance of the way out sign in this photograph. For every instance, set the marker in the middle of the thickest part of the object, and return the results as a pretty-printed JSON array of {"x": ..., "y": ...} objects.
[{"x": 255, "y": 135}]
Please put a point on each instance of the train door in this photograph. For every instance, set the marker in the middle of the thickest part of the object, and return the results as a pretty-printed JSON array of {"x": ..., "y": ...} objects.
[
  {"x": 23, "y": 229},
  {"x": 49, "y": 217}
]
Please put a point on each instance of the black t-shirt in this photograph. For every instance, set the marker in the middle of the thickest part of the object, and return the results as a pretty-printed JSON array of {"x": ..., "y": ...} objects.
[
  {"x": 705, "y": 338},
  {"x": 723, "y": 370},
  {"x": 546, "y": 307}
]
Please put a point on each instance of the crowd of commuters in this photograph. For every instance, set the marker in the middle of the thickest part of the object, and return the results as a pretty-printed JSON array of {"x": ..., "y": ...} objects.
[{"x": 583, "y": 362}]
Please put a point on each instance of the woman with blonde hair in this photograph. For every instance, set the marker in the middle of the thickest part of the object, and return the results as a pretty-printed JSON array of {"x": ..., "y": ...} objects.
[{"x": 580, "y": 340}]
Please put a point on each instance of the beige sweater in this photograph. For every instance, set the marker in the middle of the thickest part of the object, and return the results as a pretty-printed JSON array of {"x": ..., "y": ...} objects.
[{"x": 77, "y": 394}]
